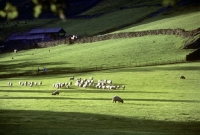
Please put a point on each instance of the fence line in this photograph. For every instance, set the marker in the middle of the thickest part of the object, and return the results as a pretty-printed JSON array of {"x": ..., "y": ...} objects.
[
  {"x": 97, "y": 68},
  {"x": 178, "y": 32}
]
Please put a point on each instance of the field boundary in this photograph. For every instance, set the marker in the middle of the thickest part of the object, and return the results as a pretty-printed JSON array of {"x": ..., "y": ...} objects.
[{"x": 177, "y": 32}]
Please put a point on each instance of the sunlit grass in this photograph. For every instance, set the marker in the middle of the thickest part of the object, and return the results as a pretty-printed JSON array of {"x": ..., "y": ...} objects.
[
  {"x": 156, "y": 100},
  {"x": 148, "y": 49},
  {"x": 153, "y": 96},
  {"x": 179, "y": 21}
]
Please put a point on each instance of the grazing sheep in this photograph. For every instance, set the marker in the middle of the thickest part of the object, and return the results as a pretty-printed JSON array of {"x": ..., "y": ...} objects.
[
  {"x": 71, "y": 78},
  {"x": 10, "y": 84},
  {"x": 109, "y": 81},
  {"x": 92, "y": 81},
  {"x": 66, "y": 83},
  {"x": 123, "y": 87},
  {"x": 40, "y": 82},
  {"x": 20, "y": 82},
  {"x": 85, "y": 85},
  {"x": 76, "y": 83},
  {"x": 113, "y": 87},
  {"x": 55, "y": 92},
  {"x": 182, "y": 77},
  {"x": 117, "y": 98},
  {"x": 103, "y": 87},
  {"x": 67, "y": 86},
  {"x": 57, "y": 85},
  {"x": 70, "y": 83},
  {"x": 108, "y": 87},
  {"x": 25, "y": 83}
]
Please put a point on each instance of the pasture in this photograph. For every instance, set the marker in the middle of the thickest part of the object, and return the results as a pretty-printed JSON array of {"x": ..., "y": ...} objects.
[
  {"x": 156, "y": 101},
  {"x": 160, "y": 49}
]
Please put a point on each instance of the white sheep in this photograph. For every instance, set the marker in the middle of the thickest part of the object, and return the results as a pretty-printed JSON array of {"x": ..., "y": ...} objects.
[
  {"x": 123, "y": 87},
  {"x": 10, "y": 83},
  {"x": 67, "y": 86},
  {"x": 113, "y": 87},
  {"x": 109, "y": 81},
  {"x": 40, "y": 82},
  {"x": 57, "y": 86},
  {"x": 70, "y": 83},
  {"x": 25, "y": 83},
  {"x": 108, "y": 87},
  {"x": 85, "y": 85},
  {"x": 20, "y": 82},
  {"x": 76, "y": 83},
  {"x": 103, "y": 87},
  {"x": 15, "y": 50}
]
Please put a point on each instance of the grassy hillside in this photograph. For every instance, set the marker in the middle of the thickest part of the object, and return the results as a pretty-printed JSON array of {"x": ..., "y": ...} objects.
[
  {"x": 114, "y": 17},
  {"x": 171, "y": 22},
  {"x": 88, "y": 27},
  {"x": 149, "y": 49},
  {"x": 156, "y": 100}
]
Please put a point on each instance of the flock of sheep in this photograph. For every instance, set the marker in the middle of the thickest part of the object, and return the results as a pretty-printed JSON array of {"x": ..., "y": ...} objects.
[
  {"x": 84, "y": 83},
  {"x": 26, "y": 83},
  {"x": 79, "y": 82},
  {"x": 101, "y": 84}
]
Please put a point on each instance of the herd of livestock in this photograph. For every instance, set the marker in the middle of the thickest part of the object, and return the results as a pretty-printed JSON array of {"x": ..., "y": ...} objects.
[
  {"x": 79, "y": 82},
  {"x": 84, "y": 83}
]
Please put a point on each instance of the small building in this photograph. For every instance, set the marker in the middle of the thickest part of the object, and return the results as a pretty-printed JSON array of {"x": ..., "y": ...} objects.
[
  {"x": 30, "y": 39},
  {"x": 52, "y": 33}
]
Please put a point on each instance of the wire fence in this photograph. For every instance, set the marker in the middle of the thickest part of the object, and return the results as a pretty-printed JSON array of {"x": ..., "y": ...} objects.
[{"x": 94, "y": 68}]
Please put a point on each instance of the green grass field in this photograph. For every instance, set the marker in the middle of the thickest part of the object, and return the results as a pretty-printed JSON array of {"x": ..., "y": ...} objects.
[
  {"x": 156, "y": 100},
  {"x": 144, "y": 50}
]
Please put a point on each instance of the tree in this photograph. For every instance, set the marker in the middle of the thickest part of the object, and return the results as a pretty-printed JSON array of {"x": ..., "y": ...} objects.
[
  {"x": 169, "y": 2},
  {"x": 10, "y": 11}
]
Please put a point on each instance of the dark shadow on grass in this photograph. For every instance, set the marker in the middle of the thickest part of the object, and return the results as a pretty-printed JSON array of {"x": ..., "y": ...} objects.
[
  {"x": 16, "y": 70},
  {"x": 57, "y": 97},
  {"x": 21, "y": 122}
]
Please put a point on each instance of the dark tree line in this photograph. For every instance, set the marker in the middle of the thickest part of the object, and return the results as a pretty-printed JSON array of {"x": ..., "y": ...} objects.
[{"x": 9, "y": 9}]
